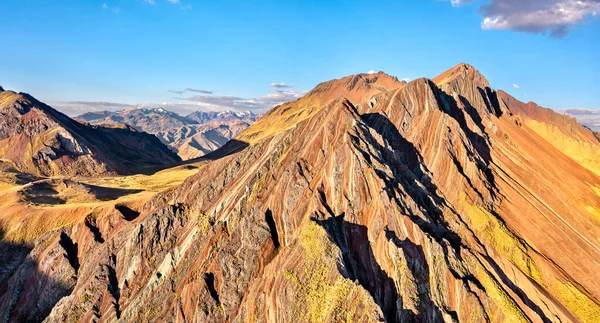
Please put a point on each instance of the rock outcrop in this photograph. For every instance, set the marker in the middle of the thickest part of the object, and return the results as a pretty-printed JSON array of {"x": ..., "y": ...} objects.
[{"x": 367, "y": 200}]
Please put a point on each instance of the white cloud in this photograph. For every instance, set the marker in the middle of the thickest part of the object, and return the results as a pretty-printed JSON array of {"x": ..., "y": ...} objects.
[
  {"x": 587, "y": 117},
  {"x": 104, "y": 6},
  {"x": 516, "y": 86},
  {"x": 173, "y": 1},
  {"x": 261, "y": 104},
  {"x": 186, "y": 105},
  {"x": 536, "y": 16},
  {"x": 150, "y": 1},
  {"x": 457, "y": 3},
  {"x": 406, "y": 79},
  {"x": 372, "y": 72}
]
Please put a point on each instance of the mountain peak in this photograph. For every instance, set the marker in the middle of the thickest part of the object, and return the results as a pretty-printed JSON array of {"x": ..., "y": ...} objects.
[{"x": 461, "y": 72}]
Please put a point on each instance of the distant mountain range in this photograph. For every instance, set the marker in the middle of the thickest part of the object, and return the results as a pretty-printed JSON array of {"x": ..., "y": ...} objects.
[
  {"x": 190, "y": 136},
  {"x": 37, "y": 139}
]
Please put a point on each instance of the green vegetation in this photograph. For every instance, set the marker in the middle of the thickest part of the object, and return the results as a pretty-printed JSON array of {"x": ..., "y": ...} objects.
[{"x": 321, "y": 295}]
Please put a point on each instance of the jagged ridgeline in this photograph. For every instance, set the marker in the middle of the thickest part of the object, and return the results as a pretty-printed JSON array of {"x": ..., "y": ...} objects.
[{"x": 369, "y": 199}]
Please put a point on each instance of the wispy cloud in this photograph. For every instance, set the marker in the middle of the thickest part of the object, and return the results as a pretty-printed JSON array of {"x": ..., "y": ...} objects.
[
  {"x": 371, "y": 72},
  {"x": 176, "y": 92},
  {"x": 458, "y": 3},
  {"x": 176, "y": 2},
  {"x": 535, "y": 16},
  {"x": 579, "y": 111},
  {"x": 281, "y": 85},
  {"x": 186, "y": 105},
  {"x": 199, "y": 91},
  {"x": 116, "y": 11},
  {"x": 260, "y": 104},
  {"x": 104, "y": 6},
  {"x": 587, "y": 117},
  {"x": 516, "y": 86},
  {"x": 76, "y": 108}
]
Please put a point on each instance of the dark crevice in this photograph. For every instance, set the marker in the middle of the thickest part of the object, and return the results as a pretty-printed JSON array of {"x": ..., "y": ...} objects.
[
  {"x": 490, "y": 97},
  {"x": 94, "y": 229},
  {"x": 272, "y": 228},
  {"x": 71, "y": 251},
  {"x": 128, "y": 213},
  {"x": 419, "y": 268},
  {"x": 480, "y": 144},
  {"x": 359, "y": 263},
  {"x": 113, "y": 288},
  {"x": 323, "y": 199},
  {"x": 209, "y": 279},
  {"x": 472, "y": 112},
  {"x": 461, "y": 171},
  {"x": 520, "y": 293},
  {"x": 409, "y": 170}
]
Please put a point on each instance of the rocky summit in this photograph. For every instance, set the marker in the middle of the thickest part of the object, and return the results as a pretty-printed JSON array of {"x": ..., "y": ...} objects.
[{"x": 367, "y": 200}]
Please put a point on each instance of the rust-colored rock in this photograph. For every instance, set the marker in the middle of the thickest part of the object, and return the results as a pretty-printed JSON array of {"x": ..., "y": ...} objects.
[{"x": 370, "y": 201}]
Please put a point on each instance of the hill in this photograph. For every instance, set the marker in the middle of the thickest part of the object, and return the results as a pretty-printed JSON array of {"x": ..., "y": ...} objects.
[{"x": 37, "y": 139}]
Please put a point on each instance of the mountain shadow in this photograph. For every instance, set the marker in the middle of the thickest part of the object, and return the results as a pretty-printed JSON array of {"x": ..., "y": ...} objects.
[
  {"x": 419, "y": 268},
  {"x": 404, "y": 160},
  {"x": 359, "y": 263},
  {"x": 231, "y": 147},
  {"x": 26, "y": 294},
  {"x": 408, "y": 170}
]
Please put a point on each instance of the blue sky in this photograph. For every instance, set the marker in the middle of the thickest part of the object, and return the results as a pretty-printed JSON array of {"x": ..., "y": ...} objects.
[{"x": 135, "y": 51}]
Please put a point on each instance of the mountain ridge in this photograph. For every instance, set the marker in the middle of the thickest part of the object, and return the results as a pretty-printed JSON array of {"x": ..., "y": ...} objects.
[
  {"x": 387, "y": 202},
  {"x": 60, "y": 145},
  {"x": 191, "y": 136}
]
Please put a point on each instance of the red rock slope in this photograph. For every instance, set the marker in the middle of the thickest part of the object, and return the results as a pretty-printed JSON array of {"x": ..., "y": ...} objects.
[
  {"x": 363, "y": 201},
  {"x": 39, "y": 140}
]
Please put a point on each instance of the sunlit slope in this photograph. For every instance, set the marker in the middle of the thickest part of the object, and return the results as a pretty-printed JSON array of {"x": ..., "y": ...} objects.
[
  {"x": 35, "y": 206},
  {"x": 563, "y": 132},
  {"x": 428, "y": 201},
  {"x": 360, "y": 89}
]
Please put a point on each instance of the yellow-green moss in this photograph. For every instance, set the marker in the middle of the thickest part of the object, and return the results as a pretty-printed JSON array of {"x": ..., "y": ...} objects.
[
  {"x": 577, "y": 302},
  {"x": 495, "y": 234},
  {"x": 503, "y": 241},
  {"x": 320, "y": 295},
  {"x": 510, "y": 310}
]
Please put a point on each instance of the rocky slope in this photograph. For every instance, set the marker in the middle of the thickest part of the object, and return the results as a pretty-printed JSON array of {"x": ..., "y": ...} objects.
[
  {"x": 367, "y": 200},
  {"x": 190, "y": 136},
  {"x": 36, "y": 139}
]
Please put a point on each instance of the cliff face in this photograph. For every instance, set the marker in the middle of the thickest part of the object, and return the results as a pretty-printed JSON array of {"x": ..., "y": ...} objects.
[
  {"x": 36, "y": 139},
  {"x": 367, "y": 200}
]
